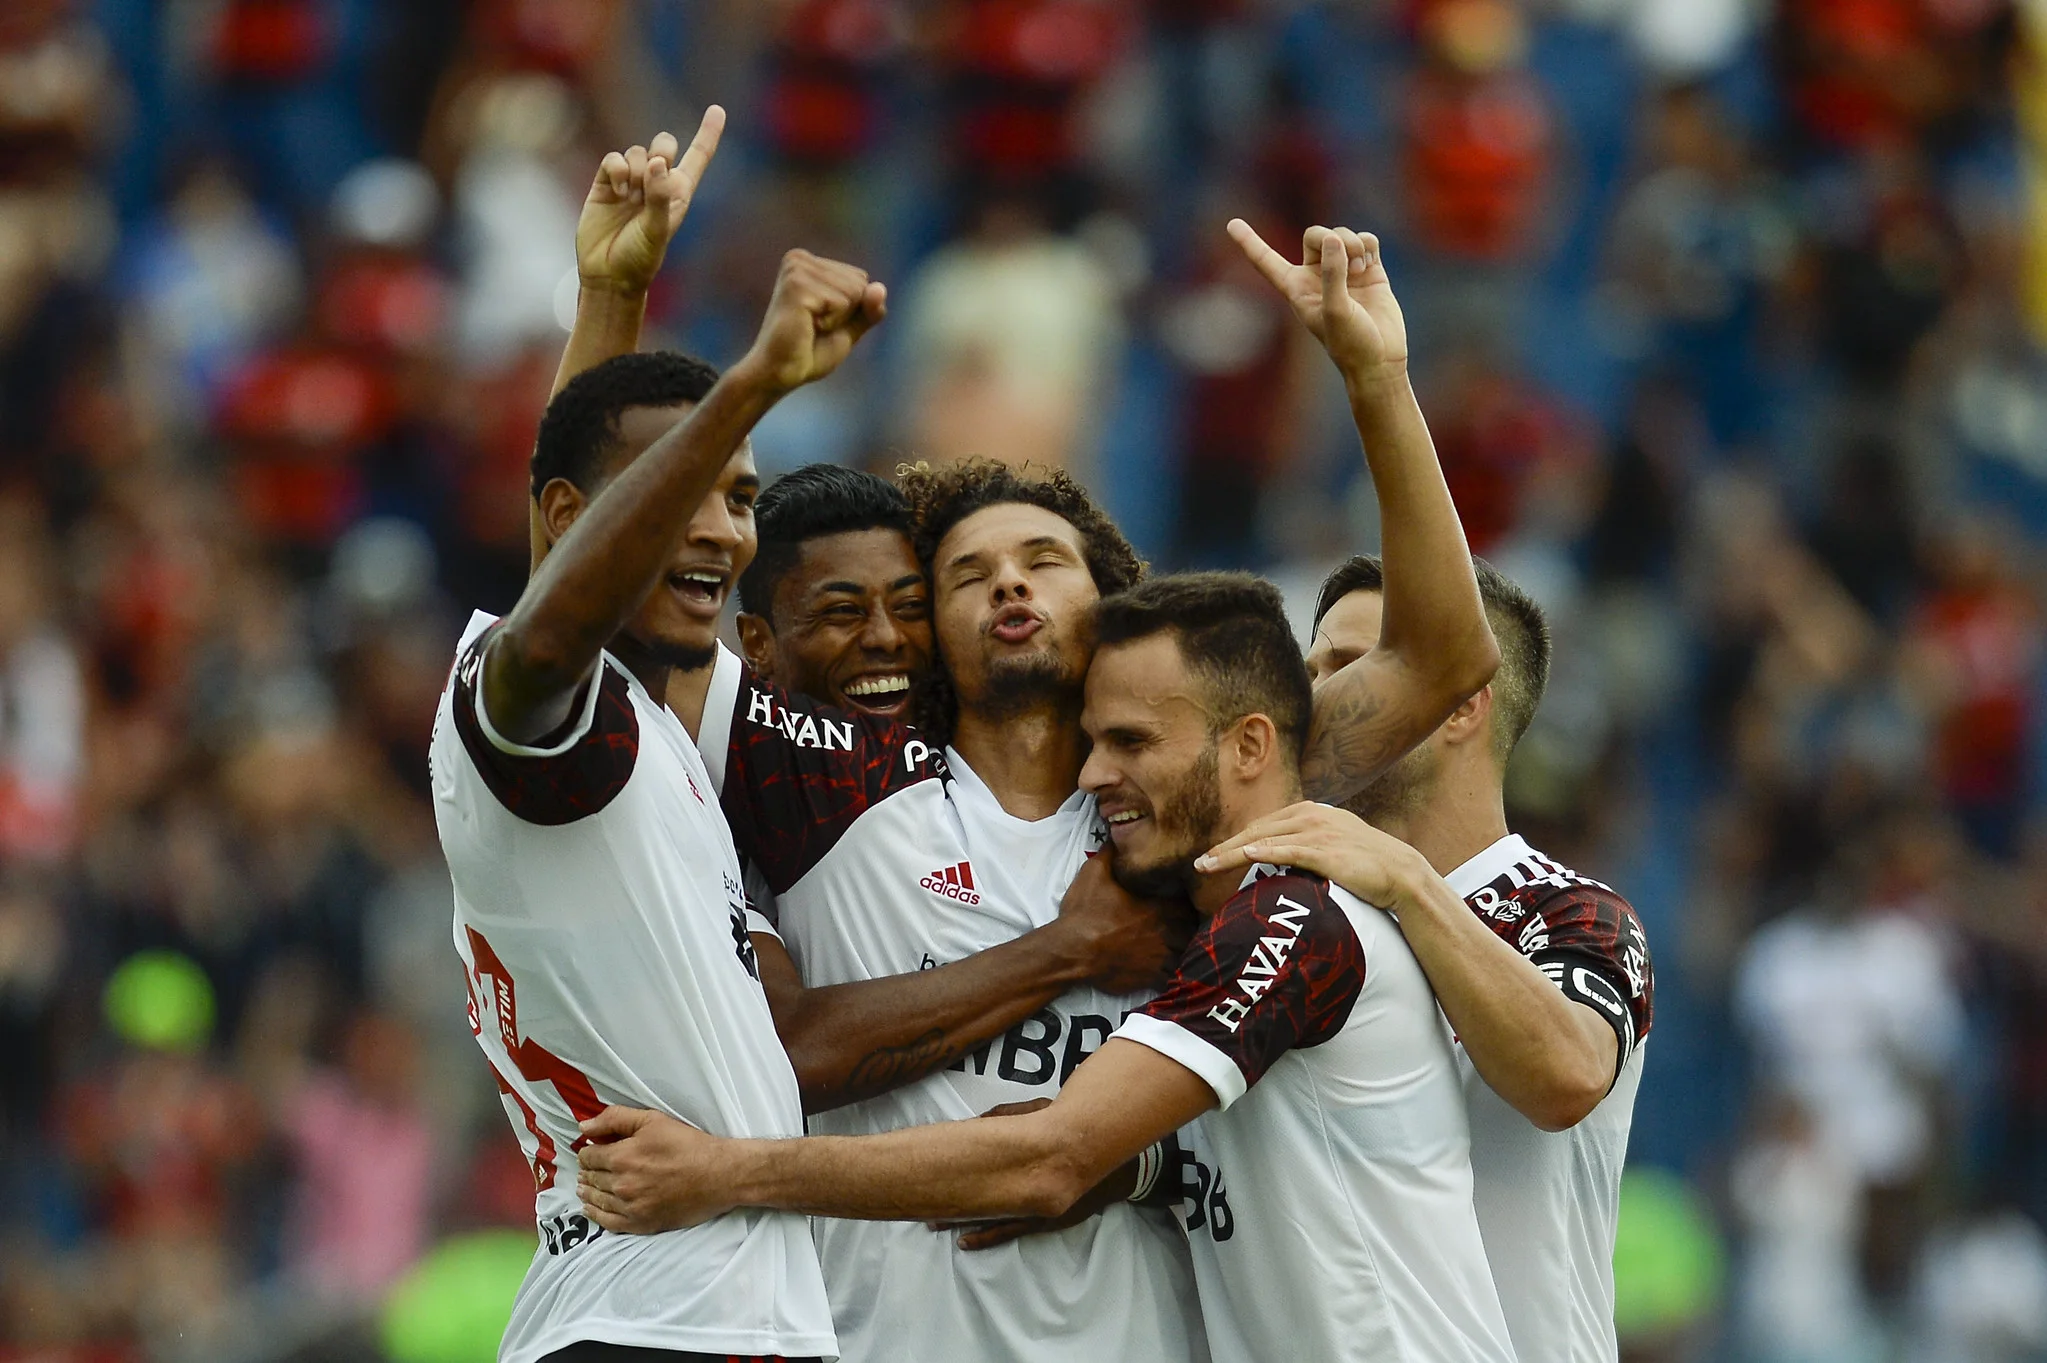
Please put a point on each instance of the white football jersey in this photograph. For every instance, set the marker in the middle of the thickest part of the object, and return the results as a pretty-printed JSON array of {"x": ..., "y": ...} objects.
[
  {"x": 1548, "y": 1201},
  {"x": 601, "y": 924},
  {"x": 1328, "y": 1199},
  {"x": 886, "y": 857}
]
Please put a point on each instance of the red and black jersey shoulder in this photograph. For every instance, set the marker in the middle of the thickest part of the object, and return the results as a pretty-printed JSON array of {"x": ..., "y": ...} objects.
[
  {"x": 798, "y": 774},
  {"x": 566, "y": 786},
  {"x": 1584, "y": 936},
  {"x": 1277, "y": 969}
]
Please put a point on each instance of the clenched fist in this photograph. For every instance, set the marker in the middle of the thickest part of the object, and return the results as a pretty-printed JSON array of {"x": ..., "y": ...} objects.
[{"x": 820, "y": 309}]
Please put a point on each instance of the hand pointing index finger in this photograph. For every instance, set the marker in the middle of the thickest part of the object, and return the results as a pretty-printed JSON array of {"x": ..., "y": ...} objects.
[
  {"x": 702, "y": 147},
  {"x": 1269, "y": 262}
]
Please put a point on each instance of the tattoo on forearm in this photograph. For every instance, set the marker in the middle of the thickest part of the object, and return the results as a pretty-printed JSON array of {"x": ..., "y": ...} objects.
[{"x": 890, "y": 1067}]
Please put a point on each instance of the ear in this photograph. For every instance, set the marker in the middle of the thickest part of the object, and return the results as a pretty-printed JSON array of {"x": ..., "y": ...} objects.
[
  {"x": 757, "y": 643},
  {"x": 561, "y": 501},
  {"x": 1473, "y": 720},
  {"x": 1251, "y": 748}
]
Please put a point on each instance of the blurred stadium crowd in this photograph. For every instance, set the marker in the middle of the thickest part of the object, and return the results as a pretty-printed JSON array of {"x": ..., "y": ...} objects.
[{"x": 1729, "y": 321}]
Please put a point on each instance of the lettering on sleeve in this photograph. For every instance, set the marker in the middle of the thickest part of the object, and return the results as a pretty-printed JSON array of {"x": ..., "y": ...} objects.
[{"x": 1279, "y": 968}]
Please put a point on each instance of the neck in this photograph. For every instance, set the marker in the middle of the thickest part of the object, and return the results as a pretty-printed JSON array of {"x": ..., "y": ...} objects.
[
  {"x": 1463, "y": 814},
  {"x": 685, "y": 694},
  {"x": 1211, "y": 891},
  {"x": 1030, "y": 761}
]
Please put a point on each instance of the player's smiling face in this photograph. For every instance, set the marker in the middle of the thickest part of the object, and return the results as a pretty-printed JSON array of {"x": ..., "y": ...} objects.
[
  {"x": 1013, "y": 595},
  {"x": 678, "y": 623},
  {"x": 852, "y": 623},
  {"x": 1153, "y": 768}
]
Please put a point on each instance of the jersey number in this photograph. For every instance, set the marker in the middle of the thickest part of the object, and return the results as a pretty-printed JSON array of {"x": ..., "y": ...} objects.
[
  {"x": 1206, "y": 1201},
  {"x": 536, "y": 1063}
]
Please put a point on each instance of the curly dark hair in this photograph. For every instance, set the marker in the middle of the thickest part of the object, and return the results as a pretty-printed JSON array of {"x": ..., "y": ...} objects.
[{"x": 940, "y": 498}]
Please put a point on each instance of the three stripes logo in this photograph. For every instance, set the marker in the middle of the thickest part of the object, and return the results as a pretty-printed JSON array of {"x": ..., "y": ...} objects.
[{"x": 954, "y": 882}]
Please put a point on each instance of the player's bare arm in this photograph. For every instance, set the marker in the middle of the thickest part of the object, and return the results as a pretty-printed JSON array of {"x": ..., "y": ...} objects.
[
  {"x": 1549, "y": 1056},
  {"x": 646, "y": 1172},
  {"x": 620, "y": 544},
  {"x": 854, "y": 1041},
  {"x": 1435, "y": 647},
  {"x": 636, "y": 202}
]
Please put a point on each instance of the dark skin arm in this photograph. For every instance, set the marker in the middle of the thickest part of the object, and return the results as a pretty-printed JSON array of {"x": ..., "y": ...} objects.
[
  {"x": 1435, "y": 647},
  {"x": 858, "y": 1040},
  {"x": 599, "y": 572}
]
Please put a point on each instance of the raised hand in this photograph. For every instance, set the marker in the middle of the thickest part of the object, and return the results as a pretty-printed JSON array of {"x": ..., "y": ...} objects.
[
  {"x": 644, "y": 1172},
  {"x": 1325, "y": 841},
  {"x": 1341, "y": 294},
  {"x": 819, "y": 310},
  {"x": 635, "y": 204}
]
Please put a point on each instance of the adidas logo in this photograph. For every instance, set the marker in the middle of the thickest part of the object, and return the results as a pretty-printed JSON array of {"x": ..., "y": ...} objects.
[{"x": 954, "y": 882}]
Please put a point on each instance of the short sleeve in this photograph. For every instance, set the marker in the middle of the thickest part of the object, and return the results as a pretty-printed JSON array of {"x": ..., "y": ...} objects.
[
  {"x": 561, "y": 777},
  {"x": 1592, "y": 946},
  {"x": 796, "y": 774},
  {"x": 1279, "y": 968}
]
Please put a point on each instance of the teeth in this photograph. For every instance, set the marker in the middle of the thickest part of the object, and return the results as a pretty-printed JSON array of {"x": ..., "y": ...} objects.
[
  {"x": 1125, "y": 816},
  {"x": 712, "y": 580},
  {"x": 878, "y": 686}
]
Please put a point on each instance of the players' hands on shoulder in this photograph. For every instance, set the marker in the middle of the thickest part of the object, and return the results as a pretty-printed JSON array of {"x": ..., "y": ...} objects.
[
  {"x": 1329, "y": 842},
  {"x": 1127, "y": 943},
  {"x": 636, "y": 202},
  {"x": 1341, "y": 293},
  {"x": 819, "y": 310},
  {"x": 644, "y": 1172}
]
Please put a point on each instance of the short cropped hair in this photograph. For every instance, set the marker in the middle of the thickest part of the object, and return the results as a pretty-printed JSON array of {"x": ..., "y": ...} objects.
[
  {"x": 940, "y": 498},
  {"x": 1233, "y": 632},
  {"x": 579, "y": 434},
  {"x": 807, "y": 504},
  {"x": 1519, "y": 627}
]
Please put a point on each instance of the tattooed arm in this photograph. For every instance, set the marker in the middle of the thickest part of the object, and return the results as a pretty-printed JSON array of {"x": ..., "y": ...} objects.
[
  {"x": 1435, "y": 648},
  {"x": 859, "y": 1040}
]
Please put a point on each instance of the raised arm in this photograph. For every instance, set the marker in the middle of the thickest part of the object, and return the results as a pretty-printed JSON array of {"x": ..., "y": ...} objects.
[
  {"x": 1435, "y": 647},
  {"x": 854, "y": 1041},
  {"x": 1550, "y": 1056},
  {"x": 647, "y": 1172},
  {"x": 602, "y": 569},
  {"x": 637, "y": 200}
]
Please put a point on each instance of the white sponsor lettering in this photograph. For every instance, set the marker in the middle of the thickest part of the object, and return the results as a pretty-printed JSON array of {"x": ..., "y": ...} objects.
[
  {"x": 805, "y": 731},
  {"x": 914, "y": 751},
  {"x": 1262, "y": 970},
  {"x": 1230, "y": 1012}
]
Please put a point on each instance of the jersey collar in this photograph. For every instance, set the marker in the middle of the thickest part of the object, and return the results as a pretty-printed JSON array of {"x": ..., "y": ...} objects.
[{"x": 1483, "y": 869}]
